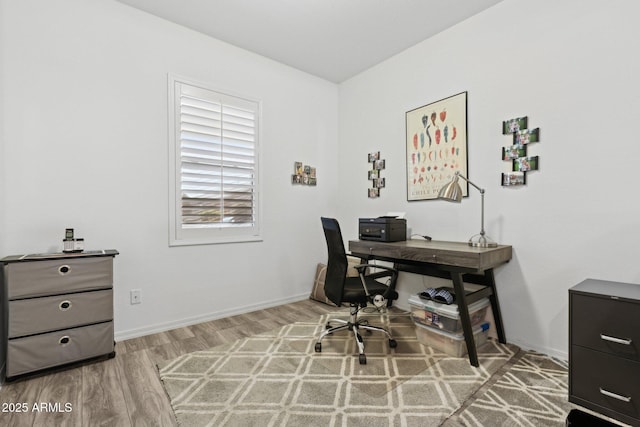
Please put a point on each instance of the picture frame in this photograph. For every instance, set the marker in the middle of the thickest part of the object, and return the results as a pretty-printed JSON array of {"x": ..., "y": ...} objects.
[
  {"x": 436, "y": 146},
  {"x": 379, "y": 183},
  {"x": 514, "y": 125},
  {"x": 511, "y": 179},
  {"x": 523, "y": 164},
  {"x": 513, "y": 152},
  {"x": 526, "y": 136}
]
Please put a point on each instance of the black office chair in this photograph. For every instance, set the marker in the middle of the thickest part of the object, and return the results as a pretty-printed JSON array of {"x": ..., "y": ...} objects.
[{"x": 357, "y": 291}]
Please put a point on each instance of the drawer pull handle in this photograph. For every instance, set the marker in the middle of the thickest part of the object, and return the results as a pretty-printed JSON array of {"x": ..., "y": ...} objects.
[
  {"x": 66, "y": 340},
  {"x": 615, "y": 396},
  {"x": 615, "y": 340},
  {"x": 64, "y": 269},
  {"x": 65, "y": 305}
]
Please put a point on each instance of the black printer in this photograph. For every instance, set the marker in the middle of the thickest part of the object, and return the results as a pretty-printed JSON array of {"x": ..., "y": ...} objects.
[{"x": 383, "y": 229}]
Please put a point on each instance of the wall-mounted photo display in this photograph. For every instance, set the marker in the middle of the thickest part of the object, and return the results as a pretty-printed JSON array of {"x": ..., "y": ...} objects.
[
  {"x": 377, "y": 164},
  {"x": 521, "y": 161},
  {"x": 303, "y": 174},
  {"x": 524, "y": 164},
  {"x": 514, "y": 178}
]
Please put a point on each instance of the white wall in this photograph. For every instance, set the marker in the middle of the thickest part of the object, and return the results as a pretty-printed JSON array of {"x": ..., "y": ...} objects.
[
  {"x": 84, "y": 110},
  {"x": 569, "y": 67}
]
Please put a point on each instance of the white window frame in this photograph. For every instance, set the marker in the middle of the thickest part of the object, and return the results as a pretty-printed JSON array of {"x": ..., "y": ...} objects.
[{"x": 179, "y": 233}]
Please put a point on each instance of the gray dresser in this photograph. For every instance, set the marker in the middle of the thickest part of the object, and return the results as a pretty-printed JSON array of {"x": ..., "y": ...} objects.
[
  {"x": 604, "y": 348},
  {"x": 57, "y": 309}
]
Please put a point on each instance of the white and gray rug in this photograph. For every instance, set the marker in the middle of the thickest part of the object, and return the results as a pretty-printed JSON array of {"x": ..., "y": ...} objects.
[
  {"x": 531, "y": 392},
  {"x": 277, "y": 379}
]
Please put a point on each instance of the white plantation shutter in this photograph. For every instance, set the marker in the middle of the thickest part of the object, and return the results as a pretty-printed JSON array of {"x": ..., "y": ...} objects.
[{"x": 215, "y": 166}]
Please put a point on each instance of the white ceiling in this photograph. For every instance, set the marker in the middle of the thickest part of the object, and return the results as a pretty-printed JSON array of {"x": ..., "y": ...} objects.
[{"x": 332, "y": 39}]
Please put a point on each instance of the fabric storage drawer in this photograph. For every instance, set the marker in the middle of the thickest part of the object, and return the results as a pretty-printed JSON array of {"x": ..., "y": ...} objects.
[
  {"x": 37, "y": 278},
  {"x": 451, "y": 344},
  {"x": 613, "y": 385},
  {"x": 609, "y": 325},
  {"x": 444, "y": 316},
  {"x": 57, "y": 348},
  {"x": 37, "y": 315}
]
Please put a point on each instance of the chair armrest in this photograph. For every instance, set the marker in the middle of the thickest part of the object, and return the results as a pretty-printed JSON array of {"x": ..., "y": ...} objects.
[
  {"x": 362, "y": 267},
  {"x": 386, "y": 272}
]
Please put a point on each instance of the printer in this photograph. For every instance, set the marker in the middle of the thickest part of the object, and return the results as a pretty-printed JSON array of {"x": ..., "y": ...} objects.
[{"x": 382, "y": 229}]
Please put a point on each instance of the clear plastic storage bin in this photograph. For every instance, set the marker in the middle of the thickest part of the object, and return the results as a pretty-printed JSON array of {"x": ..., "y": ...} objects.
[
  {"x": 445, "y": 316},
  {"x": 451, "y": 344}
]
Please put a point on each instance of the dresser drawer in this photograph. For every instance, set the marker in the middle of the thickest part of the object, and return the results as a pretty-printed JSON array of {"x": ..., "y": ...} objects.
[
  {"x": 605, "y": 383},
  {"x": 38, "y": 278},
  {"x": 37, "y": 315},
  {"x": 606, "y": 324},
  {"x": 57, "y": 348}
]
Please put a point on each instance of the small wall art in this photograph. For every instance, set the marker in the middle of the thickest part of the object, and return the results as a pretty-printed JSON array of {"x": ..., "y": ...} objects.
[
  {"x": 377, "y": 182},
  {"x": 521, "y": 162},
  {"x": 303, "y": 174}
]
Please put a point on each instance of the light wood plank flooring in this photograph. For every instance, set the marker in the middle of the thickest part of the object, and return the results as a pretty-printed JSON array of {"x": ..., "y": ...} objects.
[{"x": 126, "y": 390}]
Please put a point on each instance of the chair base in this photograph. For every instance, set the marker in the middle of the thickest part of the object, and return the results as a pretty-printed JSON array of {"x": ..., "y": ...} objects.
[{"x": 354, "y": 325}]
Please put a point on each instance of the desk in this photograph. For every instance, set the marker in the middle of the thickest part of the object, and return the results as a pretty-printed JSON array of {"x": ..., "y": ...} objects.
[{"x": 456, "y": 261}]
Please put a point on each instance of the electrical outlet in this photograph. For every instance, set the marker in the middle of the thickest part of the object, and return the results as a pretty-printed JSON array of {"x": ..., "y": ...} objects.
[{"x": 135, "y": 296}]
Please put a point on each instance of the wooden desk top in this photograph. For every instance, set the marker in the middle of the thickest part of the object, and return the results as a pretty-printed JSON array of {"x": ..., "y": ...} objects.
[{"x": 453, "y": 254}]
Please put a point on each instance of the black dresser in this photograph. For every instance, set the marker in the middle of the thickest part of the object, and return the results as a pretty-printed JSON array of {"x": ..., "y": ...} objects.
[{"x": 604, "y": 348}]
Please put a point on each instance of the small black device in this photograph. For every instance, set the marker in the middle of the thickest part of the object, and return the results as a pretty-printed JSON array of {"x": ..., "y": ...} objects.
[
  {"x": 70, "y": 244},
  {"x": 382, "y": 229}
]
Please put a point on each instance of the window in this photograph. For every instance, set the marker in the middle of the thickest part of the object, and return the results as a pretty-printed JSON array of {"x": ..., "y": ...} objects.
[{"x": 213, "y": 164}]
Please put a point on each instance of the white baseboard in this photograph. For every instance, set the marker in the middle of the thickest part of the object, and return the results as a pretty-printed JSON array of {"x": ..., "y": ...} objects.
[{"x": 166, "y": 326}]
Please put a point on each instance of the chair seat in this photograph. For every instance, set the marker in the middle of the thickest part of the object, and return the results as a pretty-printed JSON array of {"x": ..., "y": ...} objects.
[{"x": 353, "y": 291}]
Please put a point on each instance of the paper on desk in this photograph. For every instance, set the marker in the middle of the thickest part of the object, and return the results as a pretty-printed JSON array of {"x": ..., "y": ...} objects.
[{"x": 396, "y": 214}]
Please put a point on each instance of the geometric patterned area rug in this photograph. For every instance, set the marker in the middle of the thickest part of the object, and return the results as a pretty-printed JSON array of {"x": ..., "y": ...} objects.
[
  {"x": 277, "y": 379},
  {"x": 532, "y": 392}
]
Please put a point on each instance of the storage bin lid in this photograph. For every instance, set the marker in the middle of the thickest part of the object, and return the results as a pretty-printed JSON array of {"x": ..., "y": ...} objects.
[
  {"x": 448, "y": 310},
  {"x": 480, "y": 328}
]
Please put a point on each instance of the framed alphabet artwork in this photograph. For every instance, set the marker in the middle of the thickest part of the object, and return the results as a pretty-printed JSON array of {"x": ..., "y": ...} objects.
[{"x": 436, "y": 146}]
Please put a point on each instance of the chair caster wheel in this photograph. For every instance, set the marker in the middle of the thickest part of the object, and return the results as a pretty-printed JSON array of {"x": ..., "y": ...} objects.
[
  {"x": 318, "y": 347},
  {"x": 393, "y": 343},
  {"x": 362, "y": 359}
]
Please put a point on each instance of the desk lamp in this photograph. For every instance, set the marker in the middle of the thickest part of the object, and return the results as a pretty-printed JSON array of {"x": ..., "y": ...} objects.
[{"x": 453, "y": 193}]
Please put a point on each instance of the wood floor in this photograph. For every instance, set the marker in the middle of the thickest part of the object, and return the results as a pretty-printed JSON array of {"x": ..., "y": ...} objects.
[{"x": 126, "y": 390}]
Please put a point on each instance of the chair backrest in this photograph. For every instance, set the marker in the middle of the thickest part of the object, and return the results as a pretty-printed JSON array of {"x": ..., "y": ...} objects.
[{"x": 337, "y": 263}]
